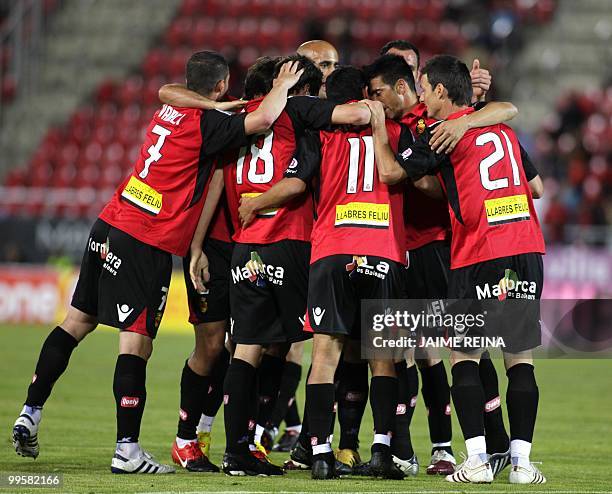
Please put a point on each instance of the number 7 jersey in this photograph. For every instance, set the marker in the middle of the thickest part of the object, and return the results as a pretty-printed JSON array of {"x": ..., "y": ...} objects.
[{"x": 356, "y": 213}]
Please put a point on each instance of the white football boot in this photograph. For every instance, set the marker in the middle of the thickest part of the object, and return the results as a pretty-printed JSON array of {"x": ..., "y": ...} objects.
[
  {"x": 25, "y": 436},
  {"x": 474, "y": 471},
  {"x": 526, "y": 475},
  {"x": 143, "y": 463}
]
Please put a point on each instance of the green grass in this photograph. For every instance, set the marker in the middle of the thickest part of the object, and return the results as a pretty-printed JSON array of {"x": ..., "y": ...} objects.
[{"x": 573, "y": 436}]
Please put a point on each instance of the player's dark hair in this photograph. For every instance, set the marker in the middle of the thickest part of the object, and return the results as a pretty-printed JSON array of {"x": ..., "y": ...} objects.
[
  {"x": 390, "y": 68},
  {"x": 204, "y": 69},
  {"x": 312, "y": 76},
  {"x": 453, "y": 74},
  {"x": 345, "y": 84},
  {"x": 401, "y": 44},
  {"x": 258, "y": 81}
]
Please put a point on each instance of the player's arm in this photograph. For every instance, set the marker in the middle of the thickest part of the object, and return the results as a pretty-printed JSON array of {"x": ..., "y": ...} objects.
[
  {"x": 274, "y": 103},
  {"x": 430, "y": 185},
  {"x": 531, "y": 173},
  {"x": 447, "y": 134},
  {"x": 389, "y": 170},
  {"x": 351, "y": 114},
  {"x": 481, "y": 81},
  {"x": 279, "y": 194},
  {"x": 178, "y": 95},
  {"x": 198, "y": 266},
  {"x": 298, "y": 174}
]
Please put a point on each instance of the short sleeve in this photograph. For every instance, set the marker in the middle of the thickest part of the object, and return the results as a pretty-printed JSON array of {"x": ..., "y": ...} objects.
[
  {"x": 222, "y": 130},
  {"x": 309, "y": 112},
  {"x": 306, "y": 162},
  {"x": 531, "y": 171}
]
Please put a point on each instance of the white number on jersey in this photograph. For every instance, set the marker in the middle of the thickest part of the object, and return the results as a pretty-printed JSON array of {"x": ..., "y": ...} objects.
[
  {"x": 496, "y": 156},
  {"x": 354, "y": 158},
  {"x": 155, "y": 150},
  {"x": 263, "y": 153}
]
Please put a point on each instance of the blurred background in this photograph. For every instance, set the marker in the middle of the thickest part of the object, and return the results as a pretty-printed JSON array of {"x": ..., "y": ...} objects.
[{"x": 79, "y": 82}]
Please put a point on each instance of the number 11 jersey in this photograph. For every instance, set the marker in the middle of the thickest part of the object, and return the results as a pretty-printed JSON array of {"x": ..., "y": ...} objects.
[{"x": 356, "y": 213}]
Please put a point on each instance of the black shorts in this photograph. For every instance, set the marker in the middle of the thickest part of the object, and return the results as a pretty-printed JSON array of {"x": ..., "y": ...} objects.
[
  {"x": 426, "y": 276},
  {"x": 506, "y": 292},
  {"x": 123, "y": 281},
  {"x": 213, "y": 305},
  {"x": 268, "y": 290},
  {"x": 337, "y": 285}
]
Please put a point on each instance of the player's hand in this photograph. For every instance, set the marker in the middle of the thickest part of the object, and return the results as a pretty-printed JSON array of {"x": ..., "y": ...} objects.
[
  {"x": 378, "y": 112},
  {"x": 447, "y": 134},
  {"x": 288, "y": 75},
  {"x": 198, "y": 270},
  {"x": 246, "y": 211},
  {"x": 481, "y": 81},
  {"x": 230, "y": 105}
]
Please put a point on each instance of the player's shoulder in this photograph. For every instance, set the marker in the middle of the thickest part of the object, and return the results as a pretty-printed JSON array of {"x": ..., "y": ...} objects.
[{"x": 175, "y": 115}]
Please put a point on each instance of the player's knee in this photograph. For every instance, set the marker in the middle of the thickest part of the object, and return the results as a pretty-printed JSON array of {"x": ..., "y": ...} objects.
[
  {"x": 135, "y": 344},
  {"x": 78, "y": 324},
  {"x": 382, "y": 368},
  {"x": 296, "y": 353}
]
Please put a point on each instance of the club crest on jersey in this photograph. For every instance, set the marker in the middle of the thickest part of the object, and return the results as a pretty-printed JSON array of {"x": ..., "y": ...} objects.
[
  {"x": 421, "y": 126},
  {"x": 508, "y": 287},
  {"x": 258, "y": 272}
]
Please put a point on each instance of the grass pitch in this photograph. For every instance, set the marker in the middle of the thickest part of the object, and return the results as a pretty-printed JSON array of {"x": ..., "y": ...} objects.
[{"x": 573, "y": 438}]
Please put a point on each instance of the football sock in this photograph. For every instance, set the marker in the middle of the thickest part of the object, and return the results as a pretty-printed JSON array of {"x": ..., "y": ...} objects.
[
  {"x": 436, "y": 395},
  {"x": 129, "y": 388},
  {"x": 35, "y": 413},
  {"x": 206, "y": 423},
  {"x": 128, "y": 450},
  {"x": 52, "y": 362},
  {"x": 352, "y": 396},
  {"x": 214, "y": 397},
  {"x": 468, "y": 397},
  {"x": 270, "y": 376},
  {"x": 304, "y": 437},
  {"x": 194, "y": 389},
  {"x": 181, "y": 443},
  {"x": 522, "y": 401},
  {"x": 408, "y": 387},
  {"x": 383, "y": 400},
  {"x": 519, "y": 452},
  {"x": 495, "y": 431},
  {"x": 292, "y": 417},
  {"x": 477, "y": 446},
  {"x": 237, "y": 412},
  {"x": 253, "y": 411},
  {"x": 290, "y": 380},
  {"x": 319, "y": 410}
]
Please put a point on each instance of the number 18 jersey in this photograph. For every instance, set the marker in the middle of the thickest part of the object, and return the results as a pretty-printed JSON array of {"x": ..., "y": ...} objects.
[
  {"x": 356, "y": 213},
  {"x": 260, "y": 164}
]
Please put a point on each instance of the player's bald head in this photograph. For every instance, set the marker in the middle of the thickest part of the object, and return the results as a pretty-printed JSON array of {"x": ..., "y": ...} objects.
[{"x": 323, "y": 54}]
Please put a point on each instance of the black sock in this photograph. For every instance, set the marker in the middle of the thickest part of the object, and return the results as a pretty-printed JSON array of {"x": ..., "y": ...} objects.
[
  {"x": 129, "y": 388},
  {"x": 383, "y": 400},
  {"x": 408, "y": 388},
  {"x": 290, "y": 380},
  {"x": 253, "y": 409},
  {"x": 214, "y": 397},
  {"x": 436, "y": 395},
  {"x": 52, "y": 362},
  {"x": 495, "y": 431},
  {"x": 320, "y": 409},
  {"x": 292, "y": 417},
  {"x": 239, "y": 381},
  {"x": 194, "y": 389},
  {"x": 468, "y": 397},
  {"x": 270, "y": 376},
  {"x": 304, "y": 437},
  {"x": 522, "y": 399},
  {"x": 352, "y": 397}
]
